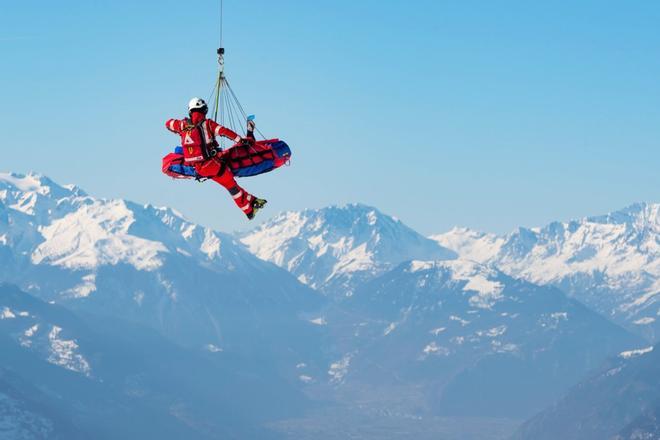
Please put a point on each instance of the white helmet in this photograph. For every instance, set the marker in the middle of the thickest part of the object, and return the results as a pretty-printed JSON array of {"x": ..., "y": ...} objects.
[{"x": 196, "y": 104}]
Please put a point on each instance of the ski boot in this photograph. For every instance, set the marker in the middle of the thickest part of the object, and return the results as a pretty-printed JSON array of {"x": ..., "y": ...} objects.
[{"x": 257, "y": 204}]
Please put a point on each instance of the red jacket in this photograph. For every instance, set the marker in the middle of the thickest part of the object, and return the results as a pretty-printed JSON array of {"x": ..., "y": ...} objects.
[{"x": 198, "y": 135}]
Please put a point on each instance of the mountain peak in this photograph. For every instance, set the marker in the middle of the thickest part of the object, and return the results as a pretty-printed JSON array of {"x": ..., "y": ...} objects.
[
  {"x": 61, "y": 226},
  {"x": 607, "y": 261},
  {"x": 635, "y": 214},
  {"x": 37, "y": 183},
  {"x": 339, "y": 245}
]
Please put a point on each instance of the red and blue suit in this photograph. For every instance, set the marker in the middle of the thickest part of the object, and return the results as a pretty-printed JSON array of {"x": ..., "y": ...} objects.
[{"x": 198, "y": 139}]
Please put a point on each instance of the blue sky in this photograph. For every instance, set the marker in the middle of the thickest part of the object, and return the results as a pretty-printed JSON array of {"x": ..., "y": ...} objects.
[{"x": 488, "y": 114}]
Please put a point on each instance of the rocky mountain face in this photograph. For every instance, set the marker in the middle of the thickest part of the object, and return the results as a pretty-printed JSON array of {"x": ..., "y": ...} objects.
[
  {"x": 341, "y": 310},
  {"x": 466, "y": 340},
  {"x": 609, "y": 262},
  {"x": 336, "y": 249},
  {"x": 150, "y": 266}
]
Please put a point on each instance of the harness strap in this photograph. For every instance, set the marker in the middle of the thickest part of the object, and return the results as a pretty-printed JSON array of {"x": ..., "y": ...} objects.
[{"x": 208, "y": 148}]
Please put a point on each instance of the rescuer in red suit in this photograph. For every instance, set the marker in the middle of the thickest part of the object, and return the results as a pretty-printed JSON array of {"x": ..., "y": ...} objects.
[{"x": 200, "y": 148}]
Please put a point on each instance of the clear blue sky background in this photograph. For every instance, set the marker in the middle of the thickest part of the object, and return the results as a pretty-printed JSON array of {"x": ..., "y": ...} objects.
[{"x": 489, "y": 114}]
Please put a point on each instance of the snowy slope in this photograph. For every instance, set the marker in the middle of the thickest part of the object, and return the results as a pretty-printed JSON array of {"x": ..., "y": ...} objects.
[
  {"x": 423, "y": 326},
  {"x": 470, "y": 244},
  {"x": 611, "y": 262},
  {"x": 62, "y": 226},
  {"x": 150, "y": 265},
  {"x": 336, "y": 248}
]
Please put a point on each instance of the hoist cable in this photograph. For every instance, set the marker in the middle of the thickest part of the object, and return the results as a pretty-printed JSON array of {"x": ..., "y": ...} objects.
[{"x": 221, "y": 17}]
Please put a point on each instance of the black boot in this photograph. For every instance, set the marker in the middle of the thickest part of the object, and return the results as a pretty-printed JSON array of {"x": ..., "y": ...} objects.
[{"x": 257, "y": 204}]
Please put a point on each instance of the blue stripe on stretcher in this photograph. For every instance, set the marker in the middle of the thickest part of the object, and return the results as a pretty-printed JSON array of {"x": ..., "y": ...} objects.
[
  {"x": 281, "y": 150},
  {"x": 184, "y": 170}
]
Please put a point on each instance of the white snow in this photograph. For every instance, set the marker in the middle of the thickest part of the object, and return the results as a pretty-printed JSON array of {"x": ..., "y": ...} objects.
[
  {"x": 211, "y": 244},
  {"x": 389, "y": 329},
  {"x": 479, "y": 279},
  {"x": 339, "y": 369},
  {"x": 213, "y": 348},
  {"x": 355, "y": 259},
  {"x": 418, "y": 266},
  {"x": 644, "y": 321},
  {"x": 462, "y": 321},
  {"x": 493, "y": 332},
  {"x": 470, "y": 244},
  {"x": 634, "y": 353},
  {"x": 616, "y": 256},
  {"x": 475, "y": 277},
  {"x": 84, "y": 289},
  {"x": 642, "y": 299},
  {"x": 25, "y": 339},
  {"x": 63, "y": 353},
  {"x": 28, "y": 183},
  {"x": 432, "y": 348},
  {"x": 457, "y": 340},
  {"x": 68, "y": 229},
  {"x": 26, "y": 203},
  {"x": 94, "y": 235},
  {"x": 183, "y": 252},
  {"x": 31, "y": 331},
  {"x": 559, "y": 316},
  {"x": 333, "y": 244},
  {"x": 7, "y": 313}
]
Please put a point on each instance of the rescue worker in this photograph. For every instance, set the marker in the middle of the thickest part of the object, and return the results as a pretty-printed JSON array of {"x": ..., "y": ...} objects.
[{"x": 200, "y": 147}]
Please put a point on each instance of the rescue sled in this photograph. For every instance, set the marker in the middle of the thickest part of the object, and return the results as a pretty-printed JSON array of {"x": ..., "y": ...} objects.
[{"x": 243, "y": 160}]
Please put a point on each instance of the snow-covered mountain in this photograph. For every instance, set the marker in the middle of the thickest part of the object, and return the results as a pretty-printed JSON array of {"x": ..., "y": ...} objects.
[
  {"x": 336, "y": 248},
  {"x": 610, "y": 262},
  {"x": 136, "y": 305},
  {"x": 62, "y": 226},
  {"x": 151, "y": 266},
  {"x": 461, "y": 335}
]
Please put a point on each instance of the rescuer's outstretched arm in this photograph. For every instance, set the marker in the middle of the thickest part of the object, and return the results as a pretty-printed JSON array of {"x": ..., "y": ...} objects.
[
  {"x": 174, "y": 125},
  {"x": 219, "y": 130}
]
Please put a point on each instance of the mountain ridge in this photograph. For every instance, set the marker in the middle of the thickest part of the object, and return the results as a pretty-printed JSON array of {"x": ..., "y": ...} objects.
[
  {"x": 338, "y": 247},
  {"x": 610, "y": 262}
]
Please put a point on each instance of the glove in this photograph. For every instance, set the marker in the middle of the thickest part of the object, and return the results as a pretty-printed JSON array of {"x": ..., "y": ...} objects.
[{"x": 246, "y": 141}]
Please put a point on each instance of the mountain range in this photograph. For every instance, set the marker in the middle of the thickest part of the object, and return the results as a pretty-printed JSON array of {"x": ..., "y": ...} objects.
[
  {"x": 340, "y": 310},
  {"x": 336, "y": 249},
  {"x": 466, "y": 340},
  {"x": 609, "y": 262}
]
